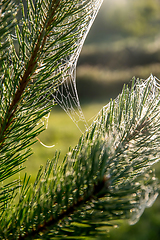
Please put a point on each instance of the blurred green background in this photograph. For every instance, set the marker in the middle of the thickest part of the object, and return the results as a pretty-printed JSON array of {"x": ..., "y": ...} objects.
[{"x": 123, "y": 42}]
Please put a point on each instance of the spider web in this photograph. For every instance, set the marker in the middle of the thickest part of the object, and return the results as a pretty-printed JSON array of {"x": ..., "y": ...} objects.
[
  {"x": 65, "y": 92},
  {"x": 66, "y": 97},
  {"x": 149, "y": 193},
  {"x": 154, "y": 86}
]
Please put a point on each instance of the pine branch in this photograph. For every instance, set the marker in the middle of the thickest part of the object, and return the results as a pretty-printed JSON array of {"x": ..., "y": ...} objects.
[
  {"x": 47, "y": 37},
  {"x": 106, "y": 177},
  {"x": 29, "y": 69}
]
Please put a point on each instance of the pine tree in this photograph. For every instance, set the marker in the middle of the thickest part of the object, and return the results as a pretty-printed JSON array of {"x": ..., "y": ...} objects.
[{"x": 108, "y": 175}]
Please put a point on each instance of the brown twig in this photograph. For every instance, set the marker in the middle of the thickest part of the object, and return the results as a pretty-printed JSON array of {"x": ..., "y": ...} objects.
[
  {"x": 104, "y": 184},
  {"x": 28, "y": 72}
]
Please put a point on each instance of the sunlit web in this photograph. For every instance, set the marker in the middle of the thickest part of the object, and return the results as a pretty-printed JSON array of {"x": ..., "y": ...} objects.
[{"x": 65, "y": 93}]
